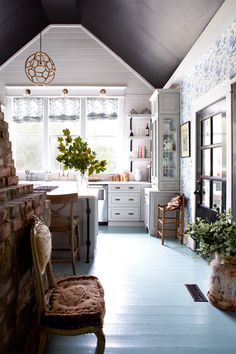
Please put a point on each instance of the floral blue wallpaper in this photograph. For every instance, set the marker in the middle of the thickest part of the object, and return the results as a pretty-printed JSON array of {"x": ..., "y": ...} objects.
[{"x": 218, "y": 64}]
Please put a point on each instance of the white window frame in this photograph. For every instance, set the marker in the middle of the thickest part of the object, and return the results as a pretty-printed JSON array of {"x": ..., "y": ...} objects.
[{"x": 46, "y": 93}]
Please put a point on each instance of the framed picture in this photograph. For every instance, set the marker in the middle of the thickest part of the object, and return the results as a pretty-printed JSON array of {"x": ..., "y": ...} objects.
[{"x": 185, "y": 139}]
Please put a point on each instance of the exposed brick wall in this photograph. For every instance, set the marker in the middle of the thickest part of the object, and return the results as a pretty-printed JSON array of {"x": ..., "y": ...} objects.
[
  {"x": 18, "y": 309},
  {"x": 7, "y": 169}
]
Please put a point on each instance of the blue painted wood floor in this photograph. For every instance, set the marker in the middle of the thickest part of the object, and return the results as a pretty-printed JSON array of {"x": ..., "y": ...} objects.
[{"x": 148, "y": 308}]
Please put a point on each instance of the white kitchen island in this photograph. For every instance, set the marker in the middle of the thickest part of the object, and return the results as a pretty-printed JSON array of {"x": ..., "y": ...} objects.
[{"x": 86, "y": 209}]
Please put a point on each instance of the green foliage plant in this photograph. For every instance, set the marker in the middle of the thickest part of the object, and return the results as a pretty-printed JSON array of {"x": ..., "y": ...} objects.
[
  {"x": 215, "y": 237},
  {"x": 75, "y": 154}
]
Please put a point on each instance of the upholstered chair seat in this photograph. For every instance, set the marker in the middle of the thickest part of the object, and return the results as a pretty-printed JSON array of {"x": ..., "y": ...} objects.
[{"x": 76, "y": 301}]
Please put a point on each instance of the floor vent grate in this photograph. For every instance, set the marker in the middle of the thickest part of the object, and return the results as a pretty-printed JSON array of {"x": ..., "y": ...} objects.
[{"x": 196, "y": 293}]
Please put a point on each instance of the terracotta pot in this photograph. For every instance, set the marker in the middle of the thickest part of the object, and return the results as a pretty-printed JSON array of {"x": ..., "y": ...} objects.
[{"x": 222, "y": 292}]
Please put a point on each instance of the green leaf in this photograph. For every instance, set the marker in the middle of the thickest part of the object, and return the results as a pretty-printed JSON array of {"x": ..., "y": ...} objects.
[
  {"x": 75, "y": 154},
  {"x": 218, "y": 236}
]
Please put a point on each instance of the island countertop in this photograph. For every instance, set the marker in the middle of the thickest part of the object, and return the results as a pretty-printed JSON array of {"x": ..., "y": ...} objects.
[
  {"x": 119, "y": 182},
  {"x": 70, "y": 186},
  {"x": 63, "y": 187}
]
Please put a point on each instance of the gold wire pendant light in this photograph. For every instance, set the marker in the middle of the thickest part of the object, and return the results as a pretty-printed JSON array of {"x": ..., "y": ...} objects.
[{"x": 40, "y": 68}]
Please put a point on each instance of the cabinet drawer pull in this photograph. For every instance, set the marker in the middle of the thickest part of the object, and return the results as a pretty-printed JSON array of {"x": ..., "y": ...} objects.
[
  {"x": 117, "y": 199},
  {"x": 131, "y": 213},
  {"x": 117, "y": 187},
  {"x": 117, "y": 213},
  {"x": 131, "y": 187},
  {"x": 131, "y": 199}
]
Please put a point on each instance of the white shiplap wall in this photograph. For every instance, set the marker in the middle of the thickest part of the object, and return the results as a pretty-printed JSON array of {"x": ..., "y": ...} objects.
[{"x": 81, "y": 60}]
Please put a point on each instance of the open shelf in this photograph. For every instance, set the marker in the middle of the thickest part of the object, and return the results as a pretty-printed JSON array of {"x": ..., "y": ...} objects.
[
  {"x": 140, "y": 158},
  {"x": 145, "y": 140},
  {"x": 140, "y": 116}
]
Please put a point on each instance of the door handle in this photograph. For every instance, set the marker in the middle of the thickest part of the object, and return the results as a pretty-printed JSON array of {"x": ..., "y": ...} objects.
[{"x": 197, "y": 192}]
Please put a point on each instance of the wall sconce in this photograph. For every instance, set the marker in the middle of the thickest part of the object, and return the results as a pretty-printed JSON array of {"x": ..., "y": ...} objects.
[
  {"x": 103, "y": 92},
  {"x": 65, "y": 92},
  {"x": 27, "y": 92},
  {"x": 40, "y": 68}
]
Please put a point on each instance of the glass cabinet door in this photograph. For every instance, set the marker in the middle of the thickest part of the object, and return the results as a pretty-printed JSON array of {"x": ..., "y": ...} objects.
[
  {"x": 169, "y": 151},
  {"x": 154, "y": 154}
]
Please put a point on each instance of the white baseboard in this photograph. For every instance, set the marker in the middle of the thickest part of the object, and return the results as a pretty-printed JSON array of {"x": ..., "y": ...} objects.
[{"x": 126, "y": 223}]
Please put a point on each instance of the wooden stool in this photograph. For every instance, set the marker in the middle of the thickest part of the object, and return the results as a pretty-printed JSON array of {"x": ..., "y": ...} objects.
[
  {"x": 171, "y": 214},
  {"x": 63, "y": 220}
]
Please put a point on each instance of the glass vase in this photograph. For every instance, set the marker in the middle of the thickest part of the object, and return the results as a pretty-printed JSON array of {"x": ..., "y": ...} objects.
[{"x": 81, "y": 181}]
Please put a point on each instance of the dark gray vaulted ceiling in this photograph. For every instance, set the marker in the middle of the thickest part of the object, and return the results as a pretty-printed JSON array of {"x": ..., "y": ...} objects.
[{"x": 152, "y": 36}]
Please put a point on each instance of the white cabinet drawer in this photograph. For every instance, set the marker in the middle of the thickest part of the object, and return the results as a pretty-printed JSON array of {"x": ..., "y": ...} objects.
[
  {"x": 127, "y": 199},
  {"x": 124, "y": 202},
  {"x": 124, "y": 214},
  {"x": 124, "y": 188}
]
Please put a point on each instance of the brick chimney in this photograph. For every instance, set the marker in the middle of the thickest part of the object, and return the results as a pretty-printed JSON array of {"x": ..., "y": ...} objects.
[{"x": 18, "y": 203}]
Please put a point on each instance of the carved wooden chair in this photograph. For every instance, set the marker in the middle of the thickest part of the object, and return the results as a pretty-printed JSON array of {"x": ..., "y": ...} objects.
[
  {"x": 71, "y": 306},
  {"x": 170, "y": 218},
  {"x": 64, "y": 221}
]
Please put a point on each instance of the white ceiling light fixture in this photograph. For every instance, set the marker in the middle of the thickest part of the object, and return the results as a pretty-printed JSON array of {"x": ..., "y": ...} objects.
[{"x": 40, "y": 68}]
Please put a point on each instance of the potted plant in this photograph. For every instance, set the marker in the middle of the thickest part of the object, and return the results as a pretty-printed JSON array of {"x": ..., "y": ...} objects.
[
  {"x": 75, "y": 154},
  {"x": 216, "y": 241}
]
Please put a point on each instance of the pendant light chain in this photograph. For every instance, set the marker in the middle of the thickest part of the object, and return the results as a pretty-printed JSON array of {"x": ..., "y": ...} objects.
[
  {"x": 40, "y": 42},
  {"x": 40, "y": 48}
]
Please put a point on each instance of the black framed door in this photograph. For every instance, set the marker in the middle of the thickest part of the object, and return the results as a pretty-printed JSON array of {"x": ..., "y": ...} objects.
[
  {"x": 211, "y": 160},
  {"x": 234, "y": 150}
]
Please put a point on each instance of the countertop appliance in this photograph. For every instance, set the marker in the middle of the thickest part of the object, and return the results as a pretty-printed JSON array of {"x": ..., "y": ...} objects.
[{"x": 102, "y": 202}]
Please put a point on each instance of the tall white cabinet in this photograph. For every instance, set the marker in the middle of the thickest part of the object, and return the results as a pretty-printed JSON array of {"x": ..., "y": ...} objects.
[
  {"x": 165, "y": 139},
  {"x": 165, "y": 153}
]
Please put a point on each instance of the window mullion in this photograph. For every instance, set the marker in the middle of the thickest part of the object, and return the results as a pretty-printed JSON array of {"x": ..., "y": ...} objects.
[
  {"x": 121, "y": 135},
  {"x": 46, "y": 151},
  {"x": 83, "y": 117}
]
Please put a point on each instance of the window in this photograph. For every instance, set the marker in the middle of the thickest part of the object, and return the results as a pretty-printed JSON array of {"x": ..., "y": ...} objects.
[
  {"x": 37, "y": 123},
  {"x": 102, "y": 128},
  {"x": 63, "y": 113},
  {"x": 28, "y": 133}
]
